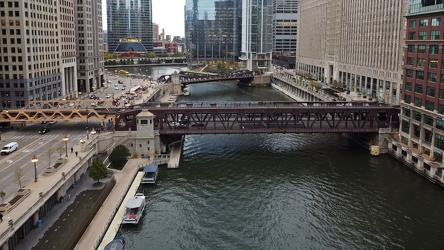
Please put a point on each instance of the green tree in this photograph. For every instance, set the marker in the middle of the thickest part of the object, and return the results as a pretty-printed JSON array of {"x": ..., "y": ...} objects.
[
  {"x": 98, "y": 170},
  {"x": 118, "y": 157}
]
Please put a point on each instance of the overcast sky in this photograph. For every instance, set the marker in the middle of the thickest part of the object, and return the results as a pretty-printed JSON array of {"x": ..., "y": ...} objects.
[{"x": 168, "y": 14}]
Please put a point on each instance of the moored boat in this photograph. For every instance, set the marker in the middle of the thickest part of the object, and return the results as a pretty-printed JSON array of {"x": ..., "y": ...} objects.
[
  {"x": 118, "y": 243},
  {"x": 134, "y": 209},
  {"x": 150, "y": 174}
]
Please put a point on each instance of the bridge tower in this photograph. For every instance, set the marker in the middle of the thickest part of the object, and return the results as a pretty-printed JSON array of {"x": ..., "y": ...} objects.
[
  {"x": 176, "y": 85},
  {"x": 147, "y": 139}
]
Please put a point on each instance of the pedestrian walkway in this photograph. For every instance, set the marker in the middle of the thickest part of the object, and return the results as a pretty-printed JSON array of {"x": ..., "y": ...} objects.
[{"x": 92, "y": 236}]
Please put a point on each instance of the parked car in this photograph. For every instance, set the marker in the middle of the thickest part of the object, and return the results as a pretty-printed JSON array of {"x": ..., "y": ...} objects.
[
  {"x": 44, "y": 130},
  {"x": 108, "y": 96}
]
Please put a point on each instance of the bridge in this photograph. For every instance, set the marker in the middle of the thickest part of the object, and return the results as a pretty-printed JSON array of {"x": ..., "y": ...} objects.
[
  {"x": 185, "y": 79},
  {"x": 264, "y": 117}
]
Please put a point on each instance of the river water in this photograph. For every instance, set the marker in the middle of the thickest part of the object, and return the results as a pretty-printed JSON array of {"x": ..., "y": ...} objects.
[{"x": 285, "y": 191}]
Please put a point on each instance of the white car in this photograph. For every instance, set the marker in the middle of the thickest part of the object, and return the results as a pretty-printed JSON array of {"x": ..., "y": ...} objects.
[
  {"x": 117, "y": 88},
  {"x": 108, "y": 96}
]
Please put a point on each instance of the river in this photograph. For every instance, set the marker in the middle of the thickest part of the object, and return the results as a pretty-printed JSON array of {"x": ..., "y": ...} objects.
[{"x": 285, "y": 191}]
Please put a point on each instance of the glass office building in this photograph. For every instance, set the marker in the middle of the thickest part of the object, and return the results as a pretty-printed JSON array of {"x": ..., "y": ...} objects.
[
  {"x": 213, "y": 29},
  {"x": 129, "y": 21}
]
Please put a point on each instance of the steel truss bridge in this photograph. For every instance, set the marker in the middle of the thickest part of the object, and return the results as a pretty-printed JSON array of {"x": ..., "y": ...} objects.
[
  {"x": 265, "y": 117},
  {"x": 61, "y": 110},
  {"x": 243, "y": 76}
]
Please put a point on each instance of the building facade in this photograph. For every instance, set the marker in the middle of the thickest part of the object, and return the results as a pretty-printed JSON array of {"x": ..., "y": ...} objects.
[
  {"x": 285, "y": 16},
  {"x": 422, "y": 125},
  {"x": 90, "y": 61},
  {"x": 213, "y": 29},
  {"x": 155, "y": 32},
  {"x": 355, "y": 44},
  {"x": 129, "y": 21}
]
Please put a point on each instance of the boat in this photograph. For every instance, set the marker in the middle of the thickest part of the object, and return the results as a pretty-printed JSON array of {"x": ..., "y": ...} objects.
[
  {"x": 123, "y": 72},
  {"x": 134, "y": 209},
  {"x": 150, "y": 174},
  {"x": 118, "y": 243}
]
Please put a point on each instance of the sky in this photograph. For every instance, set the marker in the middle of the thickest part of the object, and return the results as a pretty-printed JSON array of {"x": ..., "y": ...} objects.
[{"x": 168, "y": 14}]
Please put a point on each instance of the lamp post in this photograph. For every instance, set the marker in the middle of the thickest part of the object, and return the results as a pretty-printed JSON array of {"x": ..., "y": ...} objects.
[
  {"x": 65, "y": 139},
  {"x": 35, "y": 160},
  {"x": 87, "y": 115}
]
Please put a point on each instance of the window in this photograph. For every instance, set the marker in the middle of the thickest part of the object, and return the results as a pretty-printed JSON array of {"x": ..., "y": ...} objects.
[
  {"x": 418, "y": 88},
  {"x": 405, "y": 126},
  {"x": 431, "y": 77},
  {"x": 407, "y": 99},
  {"x": 428, "y": 120},
  {"x": 420, "y": 74},
  {"x": 421, "y": 48},
  {"x": 417, "y": 102},
  {"x": 429, "y": 105},
  {"x": 411, "y": 48},
  {"x": 434, "y": 35},
  {"x": 410, "y": 60},
  {"x": 409, "y": 73},
  {"x": 430, "y": 91},
  {"x": 435, "y": 21},
  {"x": 422, "y": 35},
  {"x": 408, "y": 86},
  {"x": 433, "y": 63},
  {"x": 441, "y": 94},
  {"x": 442, "y": 78},
  {"x": 412, "y": 23},
  {"x": 406, "y": 112},
  {"x": 441, "y": 111},
  {"x": 423, "y": 23},
  {"x": 412, "y": 35},
  {"x": 434, "y": 49},
  {"x": 420, "y": 62}
]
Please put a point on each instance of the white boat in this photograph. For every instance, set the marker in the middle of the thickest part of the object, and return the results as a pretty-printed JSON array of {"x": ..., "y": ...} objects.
[
  {"x": 150, "y": 174},
  {"x": 134, "y": 209}
]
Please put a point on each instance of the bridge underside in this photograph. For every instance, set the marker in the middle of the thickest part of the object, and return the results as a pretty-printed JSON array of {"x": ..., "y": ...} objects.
[{"x": 282, "y": 117}]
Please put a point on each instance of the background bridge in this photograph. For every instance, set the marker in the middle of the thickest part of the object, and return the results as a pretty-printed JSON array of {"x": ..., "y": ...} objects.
[
  {"x": 265, "y": 117},
  {"x": 243, "y": 76}
]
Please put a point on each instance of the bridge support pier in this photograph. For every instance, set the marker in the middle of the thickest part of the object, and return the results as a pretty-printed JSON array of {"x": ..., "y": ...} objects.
[
  {"x": 380, "y": 142},
  {"x": 147, "y": 141}
]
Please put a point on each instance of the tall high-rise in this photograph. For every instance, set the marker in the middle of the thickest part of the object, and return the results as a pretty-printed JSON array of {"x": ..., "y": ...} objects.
[
  {"x": 213, "y": 29},
  {"x": 155, "y": 32},
  {"x": 257, "y": 34},
  {"x": 285, "y": 16},
  {"x": 37, "y": 52},
  {"x": 354, "y": 43},
  {"x": 90, "y": 62},
  {"x": 129, "y": 21},
  {"x": 422, "y": 125}
]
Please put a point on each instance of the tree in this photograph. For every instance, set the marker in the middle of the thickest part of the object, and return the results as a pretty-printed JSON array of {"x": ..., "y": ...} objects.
[
  {"x": 50, "y": 151},
  {"x": 118, "y": 157},
  {"x": 2, "y": 195},
  {"x": 98, "y": 170},
  {"x": 19, "y": 176},
  {"x": 61, "y": 150}
]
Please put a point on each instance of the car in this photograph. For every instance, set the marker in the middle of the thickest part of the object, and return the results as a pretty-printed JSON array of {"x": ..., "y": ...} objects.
[
  {"x": 43, "y": 122},
  {"x": 197, "y": 124},
  {"x": 108, "y": 96},
  {"x": 123, "y": 88},
  {"x": 44, "y": 130},
  {"x": 117, "y": 88},
  {"x": 52, "y": 122}
]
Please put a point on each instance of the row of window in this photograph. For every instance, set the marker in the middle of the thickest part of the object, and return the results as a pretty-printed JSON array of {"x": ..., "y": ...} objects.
[
  {"x": 425, "y": 22},
  {"x": 423, "y": 35},
  {"x": 430, "y": 91},
  {"x": 419, "y": 74},
  {"x": 422, "y": 48}
]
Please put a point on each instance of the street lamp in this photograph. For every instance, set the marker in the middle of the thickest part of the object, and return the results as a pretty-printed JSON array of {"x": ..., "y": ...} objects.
[
  {"x": 35, "y": 160},
  {"x": 65, "y": 139},
  {"x": 87, "y": 115}
]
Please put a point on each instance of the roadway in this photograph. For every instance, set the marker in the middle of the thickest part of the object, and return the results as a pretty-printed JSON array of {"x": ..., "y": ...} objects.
[{"x": 32, "y": 143}]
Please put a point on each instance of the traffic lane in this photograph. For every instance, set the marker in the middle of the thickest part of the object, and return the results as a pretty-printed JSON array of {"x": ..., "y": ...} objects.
[{"x": 22, "y": 158}]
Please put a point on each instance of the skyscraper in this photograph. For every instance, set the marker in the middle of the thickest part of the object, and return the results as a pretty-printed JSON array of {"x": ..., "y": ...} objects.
[
  {"x": 129, "y": 21},
  {"x": 285, "y": 27},
  {"x": 422, "y": 124},
  {"x": 37, "y": 52},
  {"x": 257, "y": 34},
  {"x": 353, "y": 43},
  {"x": 213, "y": 29},
  {"x": 90, "y": 61}
]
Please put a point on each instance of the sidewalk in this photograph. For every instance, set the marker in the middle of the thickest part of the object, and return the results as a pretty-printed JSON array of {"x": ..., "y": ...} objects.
[{"x": 98, "y": 226}]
